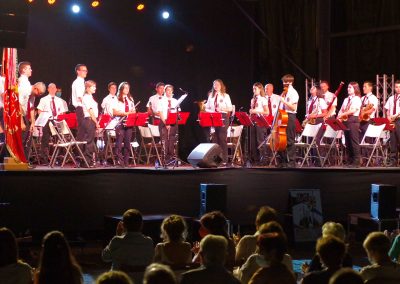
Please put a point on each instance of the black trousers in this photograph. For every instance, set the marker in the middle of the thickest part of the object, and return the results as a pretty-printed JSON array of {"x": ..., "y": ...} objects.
[
  {"x": 395, "y": 141},
  {"x": 44, "y": 144},
  {"x": 220, "y": 137},
  {"x": 352, "y": 136},
  {"x": 289, "y": 155},
  {"x": 27, "y": 138},
  {"x": 80, "y": 118},
  {"x": 124, "y": 134},
  {"x": 168, "y": 138},
  {"x": 89, "y": 128},
  {"x": 363, "y": 128}
]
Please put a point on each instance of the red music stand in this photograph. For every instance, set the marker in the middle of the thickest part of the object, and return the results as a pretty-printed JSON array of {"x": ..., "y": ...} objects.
[
  {"x": 383, "y": 120},
  {"x": 211, "y": 119},
  {"x": 244, "y": 118},
  {"x": 336, "y": 124},
  {"x": 260, "y": 120},
  {"x": 70, "y": 118},
  {"x": 104, "y": 120},
  {"x": 137, "y": 119},
  {"x": 172, "y": 118}
]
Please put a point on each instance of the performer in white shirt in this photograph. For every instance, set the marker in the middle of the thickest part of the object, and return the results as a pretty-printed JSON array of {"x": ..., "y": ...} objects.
[
  {"x": 152, "y": 105},
  {"x": 369, "y": 107},
  {"x": 90, "y": 112},
  {"x": 168, "y": 132},
  {"x": 124, "y": 106},
  {"x": 78, "y": 90},
  {"x": 259, "y": 106},
  {"x": 392, "y": 108},
  {"x": 289, "y": 103},
  {"x": 24, "y": 92},
  {"x": 272, "y": 99},
  {"x": 109, "y": 100},
  {"x": 54, "y": 105},
  {"x": 349, "y": 113},
  {"x": 220, "y": 101},
  {"x": 328, "y": 97}
]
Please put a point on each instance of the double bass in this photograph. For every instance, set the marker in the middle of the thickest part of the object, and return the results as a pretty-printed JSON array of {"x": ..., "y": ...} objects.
[{"x": 278, "y": 140}]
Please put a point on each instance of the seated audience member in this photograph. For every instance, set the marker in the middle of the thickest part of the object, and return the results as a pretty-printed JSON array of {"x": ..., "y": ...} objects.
[
  {"x": 213, "y": 251},
  {"x": 346, "y": 276},
  {"x": 157, "y": 273},
  {"x": 331, "y": 251},
  {"x": 215, "y": 223},
  {"x": 129, "y": 249},
  {"x": 330, "y": 229},
  {"x": 114, "y": 277},
  {"x": 174, "y": 250},
  {"x": 377, "y": 246},
  {"x": 57, "y": 264},
  {"x": 276, "y": 273},
  {"x": 271, "y": 249},
  {"x": 394, "y": 251},
  {"x": 248, "y": 243},
  {"x": 12, "y": 270}
]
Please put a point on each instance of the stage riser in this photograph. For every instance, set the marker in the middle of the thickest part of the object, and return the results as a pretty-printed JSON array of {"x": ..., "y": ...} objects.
[{"x": 79, "y": 200}]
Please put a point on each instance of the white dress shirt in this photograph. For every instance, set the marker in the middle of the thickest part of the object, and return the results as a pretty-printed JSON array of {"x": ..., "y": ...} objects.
[
  {"x": 318, "y": 106},
  {"x": 219, "y": 103},
  {"x": 45, "y": 104},
  {"x": 78, "y": 90},
  {"x": 275, "y": 99},
  {"x": 258, "y": 103},
  {"x": 24, "y": 91},
  {"x": 390, "y": 105},
  {"x": 291, "y": 97},
  {"x": 164, "y": 109},
  {"x": 120, "y": 106},
  {"x": 370, "y": 99},
  {"x": 107, "y": 104},
  {"x": 351, "y": 103},
  {"x": 88, "y": 103},
  {"x": 154, "y": 101}
]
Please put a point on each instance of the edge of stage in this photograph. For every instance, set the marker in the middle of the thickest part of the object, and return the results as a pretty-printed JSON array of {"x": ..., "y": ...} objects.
[{"x": 78, "y": 199}]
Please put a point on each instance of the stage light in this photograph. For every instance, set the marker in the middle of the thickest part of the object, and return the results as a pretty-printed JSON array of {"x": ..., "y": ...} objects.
[
  {"x": 95, "y": 3},
  {"x": 140, "y": 7},
  {"x": 30, "y": 1},
  {"x": 51, "y": 2},
  {"x": 75, "y": 8},
  {"x": 165, "y": 15}
]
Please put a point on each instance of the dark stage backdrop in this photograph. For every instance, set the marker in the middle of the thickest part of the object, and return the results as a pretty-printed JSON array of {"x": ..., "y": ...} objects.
[{"x": 202, "y": 41}]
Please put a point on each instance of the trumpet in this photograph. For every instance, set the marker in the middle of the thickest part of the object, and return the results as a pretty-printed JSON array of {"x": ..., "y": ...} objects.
[
  {"x": 201, "y": 105},
  {"x": 363, "y": 115}
]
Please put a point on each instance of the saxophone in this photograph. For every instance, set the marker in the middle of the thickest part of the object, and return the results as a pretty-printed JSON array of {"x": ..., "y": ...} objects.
[
  {"x": 310, "y": 120},
  {"x": 201, "y": 105},
  {"x": 363, "y": 115}
]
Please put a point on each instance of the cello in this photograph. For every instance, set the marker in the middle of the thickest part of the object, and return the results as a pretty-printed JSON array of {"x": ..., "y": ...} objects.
[{"x": 278, "y": 140}]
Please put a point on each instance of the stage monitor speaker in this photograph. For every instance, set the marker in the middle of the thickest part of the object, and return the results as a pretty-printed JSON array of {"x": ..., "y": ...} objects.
[
  {"x": 14, "y": 16},
  {"x": 206, "y": 155},
  {"x": 212, "y": 197},
  {"x": 383, "y": 201}
]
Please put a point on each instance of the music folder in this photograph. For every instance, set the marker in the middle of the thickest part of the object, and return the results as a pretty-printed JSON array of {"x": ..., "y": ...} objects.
[
  {"x": 137, "y": 119},
  {"x": 243, "y": 118},
  {"x": 210, "y": 119},
  {"x": 70, "y": 118},
  {"x": 173, "y": 116},
  {"x": 336, "y": 124},
  {"x": 260, "y": 120}
]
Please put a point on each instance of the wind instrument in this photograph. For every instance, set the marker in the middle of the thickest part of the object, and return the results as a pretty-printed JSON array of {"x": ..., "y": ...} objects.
[{"x": 363, "y": 115}]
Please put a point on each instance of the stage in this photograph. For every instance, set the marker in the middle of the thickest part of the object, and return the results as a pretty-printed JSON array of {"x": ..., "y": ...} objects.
[{"x": 77, "y": 200}]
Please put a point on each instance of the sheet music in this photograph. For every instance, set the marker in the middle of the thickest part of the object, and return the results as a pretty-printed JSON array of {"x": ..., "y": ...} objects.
[
  {"x": 113, "y": 123},
  {"x": 180, "y": 100},
  {"x": 43, "y": 118}
]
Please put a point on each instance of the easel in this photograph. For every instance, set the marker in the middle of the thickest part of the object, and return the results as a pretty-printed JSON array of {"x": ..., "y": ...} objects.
[
  {"x": 136, "y": 119},
  {"x": 245, "y": 120}
]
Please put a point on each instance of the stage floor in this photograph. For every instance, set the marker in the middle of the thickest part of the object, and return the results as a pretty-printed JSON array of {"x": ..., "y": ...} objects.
[{"x": 73, "y": 199}]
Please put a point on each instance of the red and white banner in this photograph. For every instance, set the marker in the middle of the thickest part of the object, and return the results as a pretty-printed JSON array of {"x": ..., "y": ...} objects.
[{"x": 12, "y": 113}]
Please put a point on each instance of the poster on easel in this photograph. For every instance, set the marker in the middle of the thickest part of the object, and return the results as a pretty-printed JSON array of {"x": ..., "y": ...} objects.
[{"x": 307, "y": 214}]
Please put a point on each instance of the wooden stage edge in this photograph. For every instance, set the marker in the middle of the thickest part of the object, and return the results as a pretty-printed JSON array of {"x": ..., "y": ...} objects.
[{"x": 78, "y": 199}]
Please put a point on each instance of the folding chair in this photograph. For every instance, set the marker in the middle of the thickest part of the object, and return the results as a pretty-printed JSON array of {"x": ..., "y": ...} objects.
[
  {"x": 147, "y": 144},
  {"x": 155, "y": 133},
  {"x": 307, "y": 141},
  {"x": 373, "y": 132},
  {"x": 58, "y": 145},
  {"x": 234, "y": 135},
  {"x": 330, "y": 142}
]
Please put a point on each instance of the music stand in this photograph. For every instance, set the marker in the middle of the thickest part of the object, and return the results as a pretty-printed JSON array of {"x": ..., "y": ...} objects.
[
  {"x": 383, "y": 120},
  {"x": 245, "y": 120},
  {"x": 176, "y": 119},
  {"x": 260, "y": 120},
  {"x": 136, "y": 119},
  {"x": 70, "y": 118}
]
